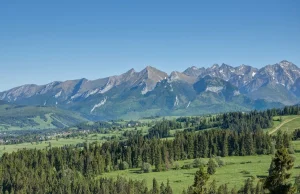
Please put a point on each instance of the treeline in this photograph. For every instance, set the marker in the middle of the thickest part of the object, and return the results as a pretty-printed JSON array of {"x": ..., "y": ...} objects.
[
  {"x": 239, "y": 121},
  {"x": 253, "y": 120},
  {"x": 40, "y": 178},
  {"x": 188, "y": 145},
  {"x": 112, "y": 125},
  {"x": 95, "y": 159},
  {"x": 162, "y": 129},
  {"x": 234, "y": 120}
]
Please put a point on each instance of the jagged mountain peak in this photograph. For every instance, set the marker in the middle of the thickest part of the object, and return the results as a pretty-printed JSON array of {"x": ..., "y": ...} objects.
[
  {"x": 136, "y": 87},
  {"x": 287, "y": 64},
  {"x": 194, "y": 71},
  {"x": 154, "y": 74},
  {"x": 214, "y": 66},
  {"x": 132, "y": 70},
  {"x": 178, "y": 76},
  {"x": 150, "y": 69}
]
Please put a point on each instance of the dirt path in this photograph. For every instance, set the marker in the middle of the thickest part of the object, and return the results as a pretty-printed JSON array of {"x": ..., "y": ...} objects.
[{"x": 279, "y": 126}]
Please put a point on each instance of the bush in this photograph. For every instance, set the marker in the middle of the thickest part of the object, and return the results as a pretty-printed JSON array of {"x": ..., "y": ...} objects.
[
  {"x": 176, "y": 166},
  {"x": 124, "y": 165},
  {"x": 187, "y": 166},
  {"x": 211, "y": 166},
  {"x": 108, "y": 168},
  {"x": 146, "y": 167},
  {"x": 196, "y": 163},
  {"x": 219, "y": 161}
]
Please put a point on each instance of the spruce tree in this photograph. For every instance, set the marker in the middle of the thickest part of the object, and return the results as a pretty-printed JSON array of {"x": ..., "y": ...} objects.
[
  {"x": 277, "y": 181},
  {"x": 211, "y": 166},
  {"x": 155, "y": 187},
  {"x": 200, "y": 181},
  {"x": 168, "y": 188}
]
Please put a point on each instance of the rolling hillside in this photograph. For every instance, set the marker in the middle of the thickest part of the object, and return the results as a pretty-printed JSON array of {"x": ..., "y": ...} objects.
[{"x": 14, "y": 117}]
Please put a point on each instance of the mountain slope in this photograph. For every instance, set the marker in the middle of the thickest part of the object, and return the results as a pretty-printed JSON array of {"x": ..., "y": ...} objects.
[
  {"x": 13, "y": 117},
  {"x": 153, "y": 92}
]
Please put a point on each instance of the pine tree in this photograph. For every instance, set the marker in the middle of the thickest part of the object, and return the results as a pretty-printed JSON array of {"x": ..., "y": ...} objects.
[
  {"x": 158, "y": 160},
  {"x": 277, "y": 181},
  {"x": 200, "y": 181},
  {"x": 155, "y": 188},
  {"x": 168, "y": 189},
  {"x": 213, "y": 187},
  {"x": 211, "y": 166}
]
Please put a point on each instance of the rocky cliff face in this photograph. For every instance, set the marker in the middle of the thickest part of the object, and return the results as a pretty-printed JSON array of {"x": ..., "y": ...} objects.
[{"x": 152, "y": 91}]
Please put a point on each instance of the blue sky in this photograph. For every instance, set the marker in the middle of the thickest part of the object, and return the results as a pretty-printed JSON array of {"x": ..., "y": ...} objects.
[{"x": 58, "y": 40}]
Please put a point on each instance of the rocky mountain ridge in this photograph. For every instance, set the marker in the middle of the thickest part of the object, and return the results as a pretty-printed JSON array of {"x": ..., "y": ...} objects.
[{"x": 152, "y": 92}]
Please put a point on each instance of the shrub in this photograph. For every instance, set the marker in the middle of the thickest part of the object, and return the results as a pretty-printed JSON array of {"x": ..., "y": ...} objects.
[
  {"x": 176, "y": 166},
  {"x": 219, "y": 161},
  {"x": 196, "y": 163},
  {"x": 146, "y": 167},
  {"x": 211, "y": 166},
  {"x": 187, "y": 166},
  {"x": 123, "y": 165}
]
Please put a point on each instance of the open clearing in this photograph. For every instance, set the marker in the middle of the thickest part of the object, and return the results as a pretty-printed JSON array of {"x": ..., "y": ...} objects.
[
  {"x": 288, "y": 124},
  {"x": 231, "y": 174}
]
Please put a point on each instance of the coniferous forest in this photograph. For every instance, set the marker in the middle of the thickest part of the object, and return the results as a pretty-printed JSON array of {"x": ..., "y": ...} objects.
[{"x": 71, "y": 169}]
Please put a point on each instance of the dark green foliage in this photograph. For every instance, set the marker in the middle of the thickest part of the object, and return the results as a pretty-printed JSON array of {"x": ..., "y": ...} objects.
[
  {"x": 200, "y": 181},
  {"x": 146, "y": 167},
  {"x": 162, "y": 129},
  {"x": 197, "y": 163},
  {"x": 211, "y": 166},
  {"x": 297, "y": 183},
  {"x": 277, "y": 181},
  {"x": 155, "y": 188},
  {"x": 219, "y": 161},
  {"x": 123, "y": 165},
  {"x": 212, "y": 187},
  {"x": 296, "y": 134}
]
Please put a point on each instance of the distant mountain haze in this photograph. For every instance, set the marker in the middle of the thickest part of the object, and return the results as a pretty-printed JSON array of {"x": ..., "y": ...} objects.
[{"x": 151, "y": 92}]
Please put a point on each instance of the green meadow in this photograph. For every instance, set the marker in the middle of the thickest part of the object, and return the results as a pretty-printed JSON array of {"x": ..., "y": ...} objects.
[{"x": 234, "y": 173}]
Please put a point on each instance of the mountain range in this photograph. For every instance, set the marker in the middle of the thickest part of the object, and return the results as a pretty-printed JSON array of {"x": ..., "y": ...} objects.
[{"x": 151, "y": 92}]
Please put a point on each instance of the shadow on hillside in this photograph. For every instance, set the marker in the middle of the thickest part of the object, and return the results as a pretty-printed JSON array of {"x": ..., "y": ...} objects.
[
  {"x": 261, "y": 176},
  {"x": 135, "y": 171}
]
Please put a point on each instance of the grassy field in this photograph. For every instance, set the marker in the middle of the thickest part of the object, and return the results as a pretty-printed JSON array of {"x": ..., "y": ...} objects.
[
  {"x": 231, "y": 174},
  {"x": 55, "y": 143},
  {"x": 40, "y": 145},
  {"x": 288, "y": 124}
]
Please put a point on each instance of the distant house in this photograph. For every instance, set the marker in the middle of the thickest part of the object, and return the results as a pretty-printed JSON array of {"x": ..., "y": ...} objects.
[{"x": 133, "y": 124}]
